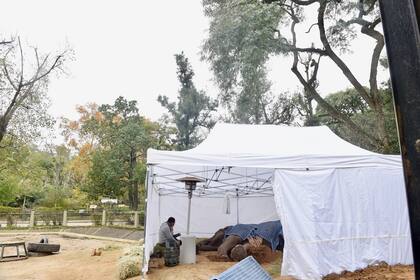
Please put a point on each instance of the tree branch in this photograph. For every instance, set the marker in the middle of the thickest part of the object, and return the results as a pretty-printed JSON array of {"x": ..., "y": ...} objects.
[
  {"x": 312, "y": 91},
  {"x": 346, "y": 71},
  {"x": 303, "y": 2}
]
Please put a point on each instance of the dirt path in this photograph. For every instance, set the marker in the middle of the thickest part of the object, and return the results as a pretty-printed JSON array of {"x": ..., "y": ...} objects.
[{"x": 74, "y": 262}]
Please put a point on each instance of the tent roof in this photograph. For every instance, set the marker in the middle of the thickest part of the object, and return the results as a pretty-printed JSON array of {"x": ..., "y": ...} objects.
[{"x": 273, "y": 146}]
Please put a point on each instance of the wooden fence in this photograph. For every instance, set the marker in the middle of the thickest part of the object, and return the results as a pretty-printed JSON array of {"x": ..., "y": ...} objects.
[{"x": 71, "y": 218}]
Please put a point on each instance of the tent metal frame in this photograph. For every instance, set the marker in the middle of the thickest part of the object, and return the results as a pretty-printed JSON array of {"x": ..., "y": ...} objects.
[{"x": 167, "y": 184}]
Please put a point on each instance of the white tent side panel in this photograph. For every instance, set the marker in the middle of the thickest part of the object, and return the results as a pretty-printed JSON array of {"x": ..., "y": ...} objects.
[
  {"x": 207, "y": 215},
  {"x": 152, "y": 221},
  {"x": 342, "y": 219}
]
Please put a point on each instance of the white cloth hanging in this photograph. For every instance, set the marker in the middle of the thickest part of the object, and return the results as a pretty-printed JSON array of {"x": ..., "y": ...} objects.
[{"x": 226, "y": 204}]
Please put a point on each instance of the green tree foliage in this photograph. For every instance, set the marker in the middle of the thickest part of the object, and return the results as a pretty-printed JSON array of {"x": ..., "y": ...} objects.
[
  {"x": 107, "y": 176},
  {"x": 29, "y": 177},
  {"x": 123, "y": 137},
  {"x": 248, "y": 32},
  {"x": 239, "y": 45},
  {"x": 192, "y": 111},
  {"x": 110, "y": 143},
  {"x": 350, "y": 103}
]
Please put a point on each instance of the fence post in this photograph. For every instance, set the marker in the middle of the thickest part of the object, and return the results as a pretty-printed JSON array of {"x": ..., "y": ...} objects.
[
  {"x": 136, "y": 219},
  {"x": 104, "y": 217},
  {"x": 32, "y": 219},
  {"x": 65, "y": 218}
]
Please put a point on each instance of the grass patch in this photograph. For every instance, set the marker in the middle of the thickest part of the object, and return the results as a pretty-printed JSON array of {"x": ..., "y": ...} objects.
[{"x": 38, "y": 228}]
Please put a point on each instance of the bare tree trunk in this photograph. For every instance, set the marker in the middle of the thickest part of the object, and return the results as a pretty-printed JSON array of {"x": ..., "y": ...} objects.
[
  {"x": 3, "y": 126},
  {"x": 381, "y": 126},
  {"x": 24, "y": 203}
]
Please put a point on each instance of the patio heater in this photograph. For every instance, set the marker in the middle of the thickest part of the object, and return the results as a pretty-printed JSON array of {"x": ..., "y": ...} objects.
[
  {"x": 190, "y": 186},
  {"x": 187, "y": 251}
]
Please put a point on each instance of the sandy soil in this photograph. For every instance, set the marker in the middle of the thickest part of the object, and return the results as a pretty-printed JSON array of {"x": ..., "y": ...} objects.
[
  {"x": 205, "y": 268},
  {"x": 74, "y": 262}
]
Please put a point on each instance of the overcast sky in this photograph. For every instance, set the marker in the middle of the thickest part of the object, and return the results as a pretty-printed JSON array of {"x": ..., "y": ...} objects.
[{"x": 127, "y": 48}]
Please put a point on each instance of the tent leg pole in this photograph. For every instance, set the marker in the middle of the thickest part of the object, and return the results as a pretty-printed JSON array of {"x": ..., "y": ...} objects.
[
  {"x": 189, "y": 214},
  {"x": 401, "y": 29},
  {"x": 146, "y": 186}
]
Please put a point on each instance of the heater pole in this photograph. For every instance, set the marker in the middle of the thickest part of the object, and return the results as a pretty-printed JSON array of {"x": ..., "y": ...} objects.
[{"x": 189, "y": 211}]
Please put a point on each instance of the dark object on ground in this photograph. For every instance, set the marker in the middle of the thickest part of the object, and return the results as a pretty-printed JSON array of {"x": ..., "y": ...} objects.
[
  {"x": 96, "y": 252},
  {"x": 158, "y": 251},
  {"x": 233, "y": 241},
  {"x": 16, "y": 257},
  {"x": 227, "y": 245},
  {"x": 280, "y": 247},
  {"x": 212, "y": 243},
  {"x": 239, "y": 252},
  {"x": 44, "y": 240},
  {"x": 43, "y": 248},
  {"x": 171, "y": 254}
]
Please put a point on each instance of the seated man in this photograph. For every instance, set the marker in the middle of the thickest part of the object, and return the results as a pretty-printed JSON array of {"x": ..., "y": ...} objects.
[
  {"x": 166, "y": 232},
  {"x": 166, "y": 235}
]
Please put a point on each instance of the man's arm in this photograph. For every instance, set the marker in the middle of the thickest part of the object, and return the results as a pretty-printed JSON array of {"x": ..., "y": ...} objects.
[{"x": 168, "y": 234}]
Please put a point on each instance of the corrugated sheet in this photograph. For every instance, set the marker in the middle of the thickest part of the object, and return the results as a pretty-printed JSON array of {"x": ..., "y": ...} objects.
[{"x": 246, "y": 269}]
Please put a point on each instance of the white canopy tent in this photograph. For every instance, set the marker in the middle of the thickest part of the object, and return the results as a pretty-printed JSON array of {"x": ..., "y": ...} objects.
[{"x": 342, "y": 207}]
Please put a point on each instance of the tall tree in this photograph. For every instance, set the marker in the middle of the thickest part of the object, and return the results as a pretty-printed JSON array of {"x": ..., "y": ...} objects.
[
  {"x": 123, "y": 137},
  {"x": 335, "y": 23},
  {"x": 24, "y": 83},
  {"x": 192, "y": 111},
  {"x": 239, "y": 45}
]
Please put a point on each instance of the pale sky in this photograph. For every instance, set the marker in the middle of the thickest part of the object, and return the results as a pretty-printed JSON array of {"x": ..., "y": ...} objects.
[{"x": 127, "y": 48}]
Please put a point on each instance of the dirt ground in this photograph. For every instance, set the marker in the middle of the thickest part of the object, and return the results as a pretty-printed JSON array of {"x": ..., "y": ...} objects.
[
  {"x": 205, "y": 268},
  {"x": 74, "y": 262}
]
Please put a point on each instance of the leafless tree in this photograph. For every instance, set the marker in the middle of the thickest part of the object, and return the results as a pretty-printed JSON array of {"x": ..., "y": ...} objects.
[{"x": 23, "y": 80}]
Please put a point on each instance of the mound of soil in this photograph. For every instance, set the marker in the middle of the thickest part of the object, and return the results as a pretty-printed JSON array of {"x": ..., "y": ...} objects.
[
  {"x": 380, "y": 271},
  {"x": 263, "y": 254}
]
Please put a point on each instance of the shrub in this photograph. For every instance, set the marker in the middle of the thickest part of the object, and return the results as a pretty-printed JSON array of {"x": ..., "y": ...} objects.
[
  {"x": 97, "y": 219},
  {"x": 141, "y": 218},
  {"x": 7, "y": 209},
  {"x": 49, "y": 216},
  {"x": 10, "y": 220},
  {"x": 8, "y": 213},
  {"x": 129, "y": 263}
]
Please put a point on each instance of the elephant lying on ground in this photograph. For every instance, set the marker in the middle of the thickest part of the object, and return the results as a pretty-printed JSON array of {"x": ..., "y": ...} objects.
[{"x": 235, "y": 241}]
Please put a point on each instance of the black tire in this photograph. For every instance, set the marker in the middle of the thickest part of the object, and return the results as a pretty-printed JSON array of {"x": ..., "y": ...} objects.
[{"x": 43, "y": 247}]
